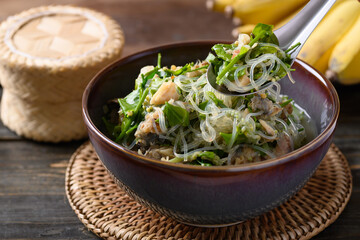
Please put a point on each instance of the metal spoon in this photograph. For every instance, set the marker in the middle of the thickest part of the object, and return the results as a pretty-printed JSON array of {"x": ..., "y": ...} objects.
[{"x": 296, "y": 30}]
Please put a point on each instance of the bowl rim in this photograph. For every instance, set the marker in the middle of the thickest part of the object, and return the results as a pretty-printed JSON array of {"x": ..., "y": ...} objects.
[{"x": 318, "y": 140}]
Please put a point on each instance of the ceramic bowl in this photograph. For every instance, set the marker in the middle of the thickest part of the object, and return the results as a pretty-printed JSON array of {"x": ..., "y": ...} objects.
[{"x": 208, "y": 196}]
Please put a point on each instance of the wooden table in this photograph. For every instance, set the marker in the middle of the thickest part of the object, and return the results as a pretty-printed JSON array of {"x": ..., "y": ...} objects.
[{"x": 32, "y": 197}]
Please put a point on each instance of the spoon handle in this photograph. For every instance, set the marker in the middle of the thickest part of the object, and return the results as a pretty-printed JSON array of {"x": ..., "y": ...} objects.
[{"x": 301, "y": 26}]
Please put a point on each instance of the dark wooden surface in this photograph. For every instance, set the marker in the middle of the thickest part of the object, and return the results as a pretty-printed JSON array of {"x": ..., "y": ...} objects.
[{"x": 33, "y": 204}]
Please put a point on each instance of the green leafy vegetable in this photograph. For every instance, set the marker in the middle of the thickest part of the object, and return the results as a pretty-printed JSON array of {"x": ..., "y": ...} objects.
[
  {"x": 210, "y": 58},
  {"x": 203, "y": 105},
  {"x": 130, "y": 102},
  {"x": 240, "y": 55},
  {"x": 263, "y": 33},
  {"x": 130, "y": 120},
  {"x": 210, "y": 156},
  {"x": 176, "y": 115},
  {"x": 125, "y": 125},
  {"x": 144, "y": 78},
  {"x": 227, "y": 137},
  {"x": 220, "y": 51},
  {"x": 260, "y": 50},
  {"x": 155, "y": 84},
  {"x": 239, "y": 138},
  {"x": 111, "y": 128},
  {"x": 207, "y": 155}
]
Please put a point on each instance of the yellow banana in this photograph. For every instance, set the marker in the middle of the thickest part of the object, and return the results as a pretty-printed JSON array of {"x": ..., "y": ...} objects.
[
  {"x": 265, "y": 11},
  {"x": 346, "y": 49},
  {"x": 218, "y": 5},
  {"x": 322, "y": 63},
  {"x": 345, "y": 58},
  {"x": 350, "y": 75},
  {"x": 330, "y": 30},
  {"x": 247, "y": 28}
]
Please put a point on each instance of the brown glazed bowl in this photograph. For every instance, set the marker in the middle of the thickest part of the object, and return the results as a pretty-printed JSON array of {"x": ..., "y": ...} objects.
[{"x": 208, "y": 196}]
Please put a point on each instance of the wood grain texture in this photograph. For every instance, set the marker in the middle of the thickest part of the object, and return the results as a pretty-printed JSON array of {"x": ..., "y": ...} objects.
[{"x": 33, "y": 204}]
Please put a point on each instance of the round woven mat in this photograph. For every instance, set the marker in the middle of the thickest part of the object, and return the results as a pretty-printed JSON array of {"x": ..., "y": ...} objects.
[{"x": 110, "y": 213}]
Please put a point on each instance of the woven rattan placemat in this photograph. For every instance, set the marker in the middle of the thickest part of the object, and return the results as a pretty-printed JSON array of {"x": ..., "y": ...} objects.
[{"x": 106, "y": 210}]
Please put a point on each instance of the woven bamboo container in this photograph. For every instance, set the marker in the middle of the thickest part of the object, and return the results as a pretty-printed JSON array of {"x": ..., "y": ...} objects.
[{"x": 47, "y": 56}]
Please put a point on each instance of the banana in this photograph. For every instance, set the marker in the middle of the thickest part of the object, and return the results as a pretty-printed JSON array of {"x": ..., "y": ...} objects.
[
  {"x": 322, "y": 63},
  {"x": 218, "y": 5},
  {"x": 330, "y": 30},
  {"x": 345, "y": 58},
  {"x": 247, "y": 28},
  {"x": 350, "y": 74},
  {"x": 265, "y": 11}
]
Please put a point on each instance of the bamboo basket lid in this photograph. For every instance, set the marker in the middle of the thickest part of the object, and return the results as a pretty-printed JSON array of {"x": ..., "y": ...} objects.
[
  {"x": 106, "y": 210},
  {"x": 47, "y": 57},
  {"x": 53, "y": 36}
]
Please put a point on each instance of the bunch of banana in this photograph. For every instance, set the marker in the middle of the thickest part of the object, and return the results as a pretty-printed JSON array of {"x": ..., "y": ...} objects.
[{"x": 334, "y": 46}]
